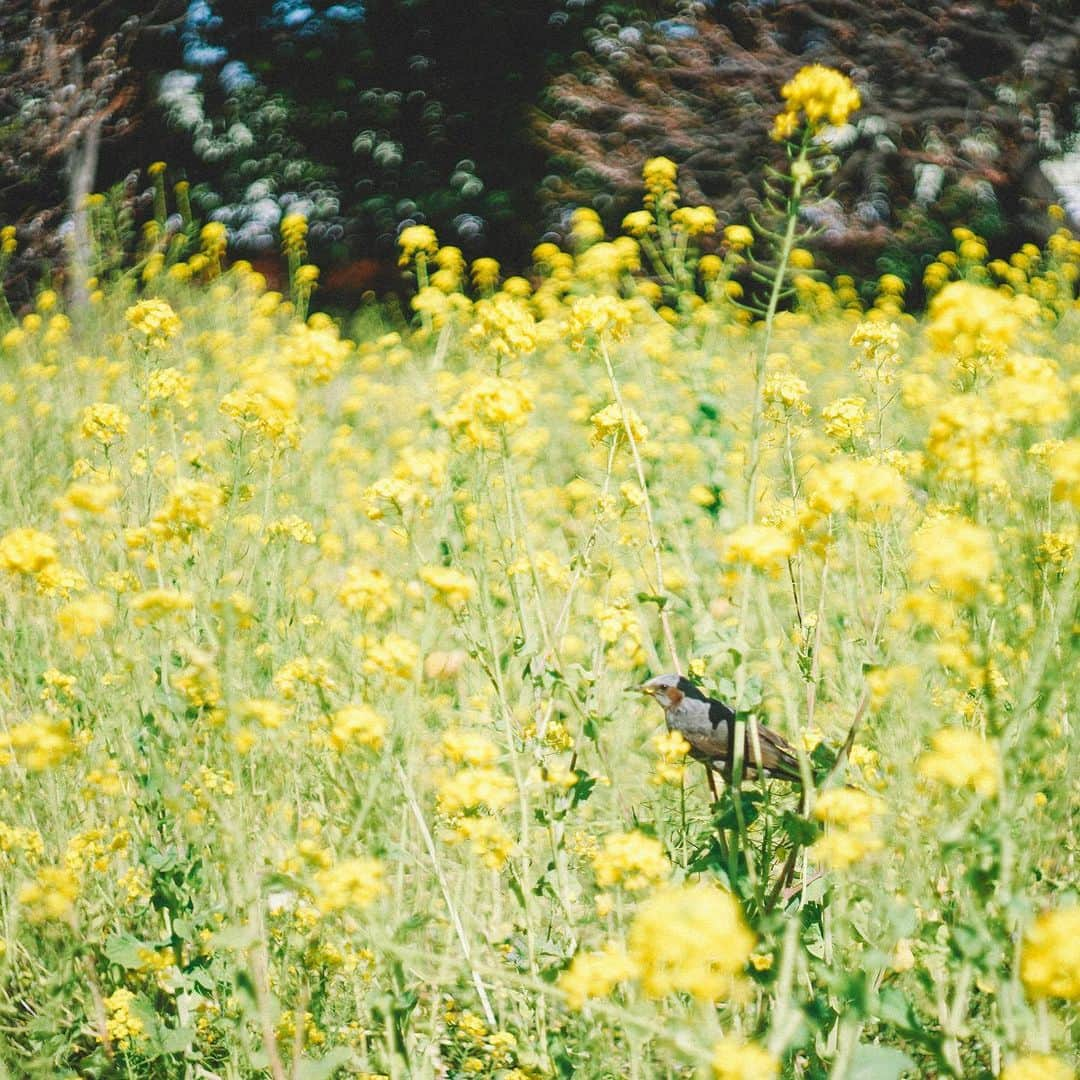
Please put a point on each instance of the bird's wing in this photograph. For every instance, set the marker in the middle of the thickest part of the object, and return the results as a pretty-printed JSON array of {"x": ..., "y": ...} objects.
[{"x": 777, "y": 754}]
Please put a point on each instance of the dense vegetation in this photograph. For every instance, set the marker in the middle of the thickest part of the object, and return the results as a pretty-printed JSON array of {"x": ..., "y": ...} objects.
[{"x": 317, "y": 752}]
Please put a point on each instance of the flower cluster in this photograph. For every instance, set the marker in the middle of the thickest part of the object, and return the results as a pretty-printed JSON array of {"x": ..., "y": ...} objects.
[{"x": 818, "y": 95}]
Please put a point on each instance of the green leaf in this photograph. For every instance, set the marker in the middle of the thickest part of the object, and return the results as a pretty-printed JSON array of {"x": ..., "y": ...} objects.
[
  {"x": 515, "y": 888},
  {"x": 871, "y": 1062},
  {"x": 184, "y": 929},
  {"x": 177, "y": 1040},
  {"x": 724, "y": 689},
  {"x": 799, "y": 830},
  {"x": 124, "y": 950},
  {"x": 970, "y": 943},
  {"x": 582, "y": 789},
  {"x": 593, "y": 723},
  {"x": 823, "y": 758},
  {"x": 894, "y": 1008},
  {"x": 325, "y": 1067},
  {"x": 652, "y": 598},
  {"x": 234, "y": 937}
]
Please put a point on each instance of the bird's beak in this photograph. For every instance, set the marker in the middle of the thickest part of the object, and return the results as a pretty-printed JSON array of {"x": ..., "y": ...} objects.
[{"x": 643, "y": 689}]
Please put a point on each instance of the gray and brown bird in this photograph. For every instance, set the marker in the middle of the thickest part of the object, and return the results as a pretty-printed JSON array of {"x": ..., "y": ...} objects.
[{"x": 708, "y": 726}]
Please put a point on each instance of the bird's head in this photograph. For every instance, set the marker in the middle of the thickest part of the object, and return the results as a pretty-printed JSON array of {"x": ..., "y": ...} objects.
[{"x": 668, "y": 690}]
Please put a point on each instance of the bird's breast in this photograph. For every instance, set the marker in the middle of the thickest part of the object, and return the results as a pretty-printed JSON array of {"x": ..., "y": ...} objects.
[{"x": 695, "y": 726}]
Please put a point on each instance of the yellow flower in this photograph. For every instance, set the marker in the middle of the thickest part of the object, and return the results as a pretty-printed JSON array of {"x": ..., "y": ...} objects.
[
  {"x": 153, "y": 605},
  {"x": 608, "y": 422},
  {"x": 956, "y": 555},
  {"x": 969, "y": 321},
  {"x": 504, "y": 325},
  {"x": 660, "y": 175},
  {"x": 585, "y": 226},
  {"x": 484, "y": 273},
  {"x": 416, "y": 240},
  {"x": 784, "y": 394},
  {"x": 850, "y": 837},
  {"x": 468, "y": 747},
  {"x": 294, "y": 527},
  {"x": 1057, "y": 547},
  {"x": 40, "y": 743},
  {"x": 1030, "y": 391},
  {"x": 452, "y": 587},
  {"x": 633, "y": 860},
  {"x": 46, "y": 300},
  {"x": 845, "y": 418},
  {"x": 477, "y": 788},
  {"x": 352, "y": 883},
  {"x": 1063, "y": 462},
  {"x": 155, "y": 320},
  {"x": 189, "y": 507},
  {"x": 639, "y": 223},
  {"x": 1037, "y": 1067},
  {"x": 15, "y": 840},
  {"x": 51, "y": 895},
  {"x": 27, "y": 551},
  {"x": 302, "y": 671},
  {"x": 492, "y": 404},
  {"x": 961, "y": 758},
  {"x": 764, "y": 547},
  {"x": 820, "y": 95},
  {"x": 170, "y": 383},
  {"x": 266, "y": 713},
  {"x": 368, "y": 591},
  {"x": 13, "y": 339},
  {"x": 738, "y": 236},
  {"x": 85, "y": 617},
  {"x": 847, "y": 808},
  {"x": 671, "y": 750},
  {"x": 659, "y": 171},
  {"x": 394, "y": 655},
  {"x": 294, "y": 230},
  {"x": 104, "y": 422},
  {"x": 960, "y": 443},
  {"x": 266, "y": 404},
  {"x": 357, "y": 725},
  {"x": 315, "y": 349},
  {"x": 1050, "y": 961},
  {"x": 486, "y": 836},
  {"x": 694, "y": 220},
  {"x": 596, "y": 974},
  {"x": 690, "y": 939},
  {"x": 734, "y": 1059},
  {"x": 591, "y": 317},
  {"x": 213, "y": 238},
  {"x": 619, "y": 629},
  {"x": 868, "y": 489}
]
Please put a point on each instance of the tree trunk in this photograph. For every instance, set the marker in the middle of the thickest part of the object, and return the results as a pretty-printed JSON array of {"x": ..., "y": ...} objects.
[{"x": 82, "y": 166}]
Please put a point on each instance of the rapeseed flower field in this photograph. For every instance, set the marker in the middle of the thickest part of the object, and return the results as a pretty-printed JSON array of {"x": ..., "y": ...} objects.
[{"x": 317, "y": 753}]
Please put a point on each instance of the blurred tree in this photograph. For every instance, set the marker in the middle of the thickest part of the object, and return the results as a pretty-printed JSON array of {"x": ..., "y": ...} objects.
[
  {"x": 366, "y": 116},
  {"x": 66, "y": 88},
  {"x": 961, "y": 102}
]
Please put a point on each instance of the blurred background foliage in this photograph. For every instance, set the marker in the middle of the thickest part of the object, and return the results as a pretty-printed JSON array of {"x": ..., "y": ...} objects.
[{"x": 490, "y": 121}]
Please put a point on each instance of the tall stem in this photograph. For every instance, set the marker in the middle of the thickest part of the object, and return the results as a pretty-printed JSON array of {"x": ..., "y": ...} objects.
[
  {"x": 754, "y": 458},
  {"x": 654, "y": 540}
]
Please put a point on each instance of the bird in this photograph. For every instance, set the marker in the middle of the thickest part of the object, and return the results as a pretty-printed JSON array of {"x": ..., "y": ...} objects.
[{"x": 708, "y": 726}]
